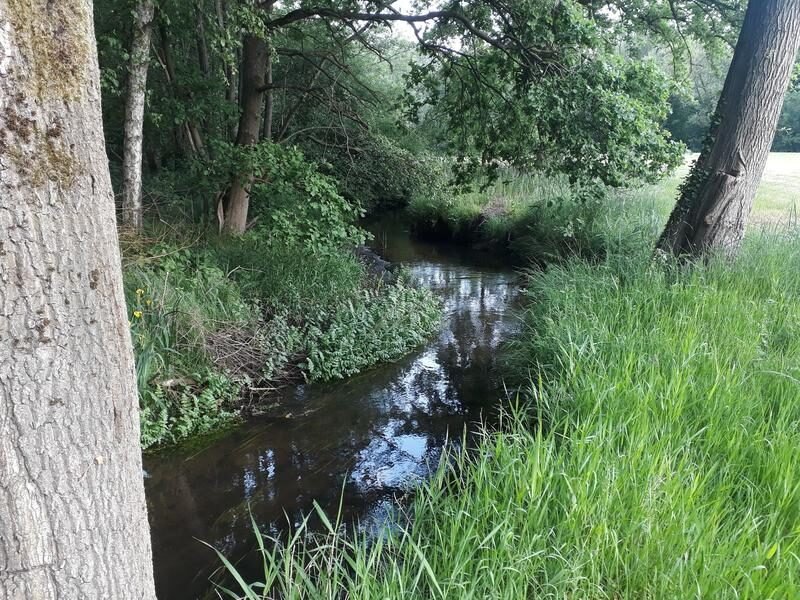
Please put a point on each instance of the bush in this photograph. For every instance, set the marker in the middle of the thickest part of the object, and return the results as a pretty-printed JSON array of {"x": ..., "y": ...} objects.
[
  {"x": 175, "y": 300},
  {"x": 533, "y": 218},
  {"x": 379, "y": 325},
  {"x": 379, "y": 174}
]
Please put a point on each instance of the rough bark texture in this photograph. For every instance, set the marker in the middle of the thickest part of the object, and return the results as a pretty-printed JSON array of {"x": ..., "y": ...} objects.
[
  {"x": 134, "y": 115},
  {"x": 73, "y": 521},
  {"x": 717, "y": 197},
  {"x": 254, "y": 67}
]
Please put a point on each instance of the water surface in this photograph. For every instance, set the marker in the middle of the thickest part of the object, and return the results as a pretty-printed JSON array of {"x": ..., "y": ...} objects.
[{"x": 365, "y": 440}]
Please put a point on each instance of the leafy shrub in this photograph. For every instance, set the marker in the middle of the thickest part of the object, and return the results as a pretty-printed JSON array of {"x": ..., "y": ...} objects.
[
  {"x": 377, "y": 326},
  {"x": 175, "y": 299},
  {"x": 284, "y": 275},
  {"x": 380, "y": 174},
  {"x": 185, "y": 408},
  {"x": 291, "y": 201}
]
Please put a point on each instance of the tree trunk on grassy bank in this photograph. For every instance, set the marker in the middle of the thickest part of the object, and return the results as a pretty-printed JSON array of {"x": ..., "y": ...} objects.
[
  {"x": 717, "y": 197},
  {"x": 73, "y": 522},
  {"x": 254, "y": 70},
  {"x": 134, "y": 115}
]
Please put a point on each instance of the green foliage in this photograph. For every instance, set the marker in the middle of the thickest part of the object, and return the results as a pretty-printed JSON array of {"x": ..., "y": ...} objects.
[
  {"x": 298, "y": 311},
  {"x": 788, "y": 135},
  {"x": 323, "y": 311},
  {"x": 378, "y": 173},
  {"x": 566, "y": 104},
  {"x": 176, "y": 299},
  {"x": 292, "y": 201},
  {"x": 658, "y": 461},
  {"x": 534, "y": 218},
  {"x": 693, "y": 106},
  {"x": 194, "y": 406},
  {"x": 380, "y": 325},
  {"x": 291, "y": 277}
]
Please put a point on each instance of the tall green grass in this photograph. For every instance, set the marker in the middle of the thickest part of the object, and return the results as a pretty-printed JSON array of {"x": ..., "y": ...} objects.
[
  {"x": 542, "y": 219},
  {"x": 659, "y": 458}
]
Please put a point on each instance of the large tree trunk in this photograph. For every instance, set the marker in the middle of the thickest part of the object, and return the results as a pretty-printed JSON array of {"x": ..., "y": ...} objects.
[
  {"x": 134, "y": 115},
  {"x": 73, "y": 521},
  {"x": 717, "y": 197},
  {"x": 254, "y": 67}
]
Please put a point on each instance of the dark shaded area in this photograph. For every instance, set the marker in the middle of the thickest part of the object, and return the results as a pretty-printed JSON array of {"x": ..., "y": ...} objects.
[{"x": 368, "y": 438}]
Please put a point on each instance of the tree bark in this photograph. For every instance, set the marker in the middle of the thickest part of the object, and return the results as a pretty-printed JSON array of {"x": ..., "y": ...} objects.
[
  {"x": 134, "y": 116},
  {"x": 717, "y": 197},
  {"x": 73, "y": 520},
  {"x": 269, "y": 98},
  {"x": 254, "y": 67}
]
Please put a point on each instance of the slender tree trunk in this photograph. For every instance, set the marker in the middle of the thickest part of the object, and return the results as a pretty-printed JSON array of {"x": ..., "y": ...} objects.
[
  {"x": 254, "y": 65},
  {"x": 231, "y": 74},
  {"x": 134, "y": 116},
  {"x": 269, "y": 98},
  {"x": 202, "y": 42},
  {"x": 189, "y": 134},
  {"x": 73, "y": 521},
  {"x": 717, "y": 197}
]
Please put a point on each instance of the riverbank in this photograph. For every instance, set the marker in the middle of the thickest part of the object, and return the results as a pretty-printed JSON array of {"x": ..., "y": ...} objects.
[
  {"x": 657, "y": 458},
  {"x": 217, "y": 327},
  {"x": 351, "y": 446},
  {"x": 544, "y": 220}
]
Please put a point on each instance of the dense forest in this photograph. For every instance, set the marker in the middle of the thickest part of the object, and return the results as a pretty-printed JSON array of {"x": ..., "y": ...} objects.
[{"x": 539, "y": 256}]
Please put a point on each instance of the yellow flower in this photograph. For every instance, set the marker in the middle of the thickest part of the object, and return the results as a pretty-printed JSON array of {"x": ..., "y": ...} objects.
[
  {"x": 148, "y": 302},
  {"x": 137, "y": 314},
  {"x": 139, "y": 292}
]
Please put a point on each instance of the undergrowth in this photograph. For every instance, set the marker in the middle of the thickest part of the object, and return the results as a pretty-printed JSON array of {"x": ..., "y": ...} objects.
[
  {"x": 210, "y": 320},
  {"x": 658, "y": 459}
]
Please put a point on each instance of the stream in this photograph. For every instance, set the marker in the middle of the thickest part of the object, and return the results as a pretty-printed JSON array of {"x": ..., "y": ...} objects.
[{"x": 365, "y": 440}]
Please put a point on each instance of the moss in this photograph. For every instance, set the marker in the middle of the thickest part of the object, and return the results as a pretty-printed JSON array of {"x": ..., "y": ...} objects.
[
  {"x": 44, "y": 158},
  {"x": 55, "y": 50},
  {"x": 52, "y": 37}
]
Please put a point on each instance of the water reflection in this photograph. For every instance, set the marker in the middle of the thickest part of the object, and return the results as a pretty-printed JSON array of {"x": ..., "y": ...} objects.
[{"x": 367, "y": 439}]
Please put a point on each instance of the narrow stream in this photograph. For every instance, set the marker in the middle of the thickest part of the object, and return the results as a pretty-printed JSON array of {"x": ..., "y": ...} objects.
[{"x": 368, "y": 438}]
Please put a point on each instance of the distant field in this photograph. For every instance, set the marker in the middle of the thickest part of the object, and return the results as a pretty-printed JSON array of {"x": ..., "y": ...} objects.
[{"x": 778, "y": 196}]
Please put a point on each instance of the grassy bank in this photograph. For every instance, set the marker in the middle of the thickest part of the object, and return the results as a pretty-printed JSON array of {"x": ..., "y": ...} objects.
[
  {"x": 532, "y": 217},
  {"x": 218, "y": 324},
  {"x": 658, "y": 459}
]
